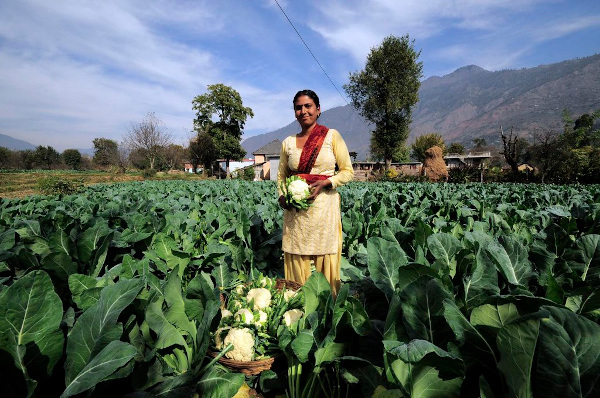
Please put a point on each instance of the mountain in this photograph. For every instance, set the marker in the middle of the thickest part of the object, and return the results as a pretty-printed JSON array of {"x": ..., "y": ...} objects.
[
  {"x": 14, "y": 144},
  {"x": 472, "y": 102}
]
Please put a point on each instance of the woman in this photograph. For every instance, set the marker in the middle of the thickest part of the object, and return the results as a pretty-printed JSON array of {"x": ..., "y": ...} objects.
[{"x": 314, "y": 236}]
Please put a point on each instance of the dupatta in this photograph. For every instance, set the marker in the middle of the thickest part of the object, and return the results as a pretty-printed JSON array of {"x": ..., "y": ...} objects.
[{"x": 309, "y": 154}]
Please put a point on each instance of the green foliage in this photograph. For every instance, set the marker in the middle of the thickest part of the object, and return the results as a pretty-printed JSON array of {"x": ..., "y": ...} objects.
[
  {"x": 72, "y": 158},
  {"x": 148, "y": 173},
  {"x": 424, "y": 142},
  {"x": 226, "y": 104},
  {"x": 46, "y": 157},
  {"x": 106, "y": 152},
  {"x": 449, "y": 290},
  {"x": 457, "y": 148},
  {"x": 54, "y": 185},
  {"x": 385, "y": 92}
]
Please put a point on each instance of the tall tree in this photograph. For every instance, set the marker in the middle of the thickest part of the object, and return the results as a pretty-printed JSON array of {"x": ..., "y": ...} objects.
[
  {"x": 72, "y": 158},
  {"x": 226, "y": 132},
  {"x": 106, "y": 152},
  {"x": 148, "y": 136},
  {"x": 46, "y": 156},
  {"x": 424, "y": 142},
  {"x": 385, "y": 92},
  {"x": 202, "y": 151}
]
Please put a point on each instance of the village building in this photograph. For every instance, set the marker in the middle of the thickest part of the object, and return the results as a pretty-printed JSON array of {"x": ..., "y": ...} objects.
[
  {"x": 266, "y": 161},
  {"x": 470, "y": 160}
]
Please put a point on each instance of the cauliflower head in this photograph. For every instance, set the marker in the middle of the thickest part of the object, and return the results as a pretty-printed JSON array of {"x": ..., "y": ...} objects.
[
  {"x": 292, "y": 316},
  {"x": 225, "y": 313},
  {"x": 244, "y": 315},
  {"x": 243, "y": 344},
  {"x": 288, "y": 294},
  {"x": 299, "y": 190},
  {"x": 261, "y": 297},
  {"x": 262, "y": 319}
]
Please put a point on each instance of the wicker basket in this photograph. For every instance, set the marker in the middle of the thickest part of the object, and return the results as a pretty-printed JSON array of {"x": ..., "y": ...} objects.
[{"x": 251, "y": 368}]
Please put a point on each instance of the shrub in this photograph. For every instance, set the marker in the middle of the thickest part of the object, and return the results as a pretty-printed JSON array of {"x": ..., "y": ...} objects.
[
  {"x": 54, "y": 185},
  {"x": 148, "y": 173}
]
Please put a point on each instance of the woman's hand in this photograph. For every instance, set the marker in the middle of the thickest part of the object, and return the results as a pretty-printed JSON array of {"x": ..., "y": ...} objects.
[
  {"x": 318, "y": 186},
  {"x": 283, "y": 203}
]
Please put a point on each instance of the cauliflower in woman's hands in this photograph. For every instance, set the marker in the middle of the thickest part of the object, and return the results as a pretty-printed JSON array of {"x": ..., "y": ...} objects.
[
  {"x": 243, "y": 344},
  {"x": 260, "y": 296},
  {"x": 296, "y": 191}
]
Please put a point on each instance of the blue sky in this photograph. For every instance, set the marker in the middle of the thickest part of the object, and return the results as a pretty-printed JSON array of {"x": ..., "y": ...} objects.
[{"x": 75, "y": 70}]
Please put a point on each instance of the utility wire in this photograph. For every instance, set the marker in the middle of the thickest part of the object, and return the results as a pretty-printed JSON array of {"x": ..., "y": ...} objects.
[{"x": 318, "y": 63}]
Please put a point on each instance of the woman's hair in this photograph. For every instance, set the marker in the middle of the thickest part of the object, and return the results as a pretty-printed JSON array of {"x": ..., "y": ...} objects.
[{"x": 309, "y": 93}]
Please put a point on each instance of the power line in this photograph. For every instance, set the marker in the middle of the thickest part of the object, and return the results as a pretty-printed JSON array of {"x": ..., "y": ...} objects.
[{"x": 318, "y": 63}]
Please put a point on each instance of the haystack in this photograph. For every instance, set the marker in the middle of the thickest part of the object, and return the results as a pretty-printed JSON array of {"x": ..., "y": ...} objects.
[{"x": 434, "y": 166}]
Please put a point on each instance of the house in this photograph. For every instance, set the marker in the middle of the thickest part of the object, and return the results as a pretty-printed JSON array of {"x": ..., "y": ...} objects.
[
  {"x": 266, "y": 161},
  {"x": 189, "y": 168},
  {"x": 472, "y": 159},
  {"x": 364, "y": 171}
]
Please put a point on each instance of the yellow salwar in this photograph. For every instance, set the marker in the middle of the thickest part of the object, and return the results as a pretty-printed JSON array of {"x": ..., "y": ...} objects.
[{"x": 314, "y": 235}]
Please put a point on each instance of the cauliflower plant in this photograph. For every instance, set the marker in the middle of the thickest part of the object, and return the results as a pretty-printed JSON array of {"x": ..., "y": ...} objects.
[
  {"x": 261, "y": 297},
  {"x": 288, "y": 294},
  {"x": 243, "y": 344},
  {"x": 219, "y": 337},
  {"x": 292, "y": 316},
  {"x": 262, "y": 319},
  {"x": 245, "y": 316}
]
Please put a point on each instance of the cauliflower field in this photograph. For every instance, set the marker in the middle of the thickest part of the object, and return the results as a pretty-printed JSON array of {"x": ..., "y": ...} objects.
[{"x": 449, "y": 290}]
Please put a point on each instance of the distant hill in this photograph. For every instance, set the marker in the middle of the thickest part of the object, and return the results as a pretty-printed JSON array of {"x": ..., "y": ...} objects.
[
  {"x": 14, "y": 144},
  {"x": 472, "y": 102}
]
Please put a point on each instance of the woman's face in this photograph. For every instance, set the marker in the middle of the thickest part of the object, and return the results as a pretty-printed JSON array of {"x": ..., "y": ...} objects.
[{"x": 306, "y": 111}]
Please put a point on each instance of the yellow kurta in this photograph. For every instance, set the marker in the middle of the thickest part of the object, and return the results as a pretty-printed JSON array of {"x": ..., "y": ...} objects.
[{"x": 315, "y": 234}]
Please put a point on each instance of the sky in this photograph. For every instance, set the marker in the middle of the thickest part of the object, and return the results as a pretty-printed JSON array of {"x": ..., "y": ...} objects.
[{"x": 75, "y": 70}]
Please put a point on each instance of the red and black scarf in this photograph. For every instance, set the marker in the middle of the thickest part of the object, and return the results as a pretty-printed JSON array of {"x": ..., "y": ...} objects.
[{"x": 309, "y": 154}]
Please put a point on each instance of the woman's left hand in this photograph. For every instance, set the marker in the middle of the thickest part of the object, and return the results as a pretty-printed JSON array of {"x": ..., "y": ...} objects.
[{"x": 318, "y": 186}]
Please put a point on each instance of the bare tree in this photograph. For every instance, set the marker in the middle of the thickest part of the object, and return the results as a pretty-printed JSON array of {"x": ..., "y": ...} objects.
[
  {"x": 510, "y": 151},
  {"x": 148, "y": 136}
]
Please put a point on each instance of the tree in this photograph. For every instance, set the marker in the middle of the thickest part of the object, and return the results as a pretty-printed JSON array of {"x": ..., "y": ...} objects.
[
  {"x": 202, "y": 151},
  {"x": 385, "y": 92},
  {"x": 148, "y": 136},
  {"x": 72, "y": 158},
  {"x": 514, "y": 149},
  {"x": 26, "y": 159},
  {"x": 6, "y": 158},
  {"x": 479, "y": 142},
  {"x": 174, "y": 156},
  {"x": 46, "y": 156},
  {"x": 226, "y": 104},
  {"x": 424, "y": 142},
  {"x": 106, "y": 152},
  {"x": 456, "y": 148}
]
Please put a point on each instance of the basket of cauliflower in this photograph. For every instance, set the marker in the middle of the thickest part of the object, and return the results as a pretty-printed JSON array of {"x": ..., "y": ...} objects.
[
  {"x": 251, "y": 314},
  {"x": 296, "y": 192}
]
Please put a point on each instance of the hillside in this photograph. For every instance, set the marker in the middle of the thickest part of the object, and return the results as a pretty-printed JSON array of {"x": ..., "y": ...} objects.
[
  {"x": 472, "y": 102},
  {"x": 14, "y": 144}
]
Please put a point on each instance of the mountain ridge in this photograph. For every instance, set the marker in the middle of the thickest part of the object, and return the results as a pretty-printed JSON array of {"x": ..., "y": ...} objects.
[{"x": 472, "y": 102}]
